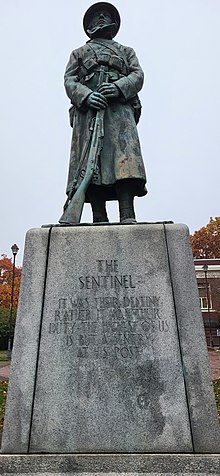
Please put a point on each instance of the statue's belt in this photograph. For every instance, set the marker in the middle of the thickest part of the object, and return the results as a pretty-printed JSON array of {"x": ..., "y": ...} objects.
[{"x": 112, "y": 75}]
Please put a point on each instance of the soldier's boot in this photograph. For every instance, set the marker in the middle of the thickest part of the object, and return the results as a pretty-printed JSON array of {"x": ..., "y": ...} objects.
[
  {"x": 126, "y": 201},
  {"x": 99, "y": 211}
]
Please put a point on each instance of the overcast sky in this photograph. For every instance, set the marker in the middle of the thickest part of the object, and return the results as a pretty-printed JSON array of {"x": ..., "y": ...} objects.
[{"x": 178, "y": 45}]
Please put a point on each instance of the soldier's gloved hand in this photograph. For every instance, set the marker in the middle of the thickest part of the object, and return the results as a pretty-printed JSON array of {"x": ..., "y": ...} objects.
[
  {"x": 97, "y": 101},
  {"x": 109, "y": 90}
]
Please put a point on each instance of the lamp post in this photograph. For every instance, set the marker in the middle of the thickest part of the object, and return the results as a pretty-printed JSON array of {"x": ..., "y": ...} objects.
[
  {"x": 14, "y": 249},
  {"x": 205, "y": 269}
]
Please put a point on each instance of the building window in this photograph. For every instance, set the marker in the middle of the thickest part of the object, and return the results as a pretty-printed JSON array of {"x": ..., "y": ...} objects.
[{"x": 203, "y": 296}]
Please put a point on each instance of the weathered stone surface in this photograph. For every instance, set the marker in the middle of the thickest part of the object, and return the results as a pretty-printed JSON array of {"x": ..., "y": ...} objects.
[
  {"x": 106, "y": 376},
  {"x": 113, "y": 373},
  {"x": 192, "y": 341},
  {"x": 25, "y": 349},
  {"x": 110, "y": 465}
]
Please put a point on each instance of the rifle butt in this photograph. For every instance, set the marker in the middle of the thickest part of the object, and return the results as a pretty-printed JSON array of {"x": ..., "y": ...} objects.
[{"x": 73, "y": 212}]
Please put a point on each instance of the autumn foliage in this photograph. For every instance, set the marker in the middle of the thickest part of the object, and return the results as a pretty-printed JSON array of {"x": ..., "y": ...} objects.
[
  {"x": 206, "y": 241},
  {"x": 6, "y": 267}
]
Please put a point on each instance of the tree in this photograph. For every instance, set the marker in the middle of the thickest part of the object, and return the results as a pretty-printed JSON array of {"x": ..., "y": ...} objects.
[
  {"x": 6, "y": 267},
  {"x": 4, "y": 324},
  {"x": 206, "y": 241}
]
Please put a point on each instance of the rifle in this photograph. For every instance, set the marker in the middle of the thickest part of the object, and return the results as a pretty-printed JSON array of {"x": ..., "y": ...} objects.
[{"x": 74, "y": 204}]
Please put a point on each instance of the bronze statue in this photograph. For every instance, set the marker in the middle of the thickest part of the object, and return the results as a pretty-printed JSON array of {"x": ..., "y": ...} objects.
[{"x": 102, "y": 80}]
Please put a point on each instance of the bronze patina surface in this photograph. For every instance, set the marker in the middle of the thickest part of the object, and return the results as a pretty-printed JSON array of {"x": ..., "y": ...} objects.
[{"x": 118, "y": 167}]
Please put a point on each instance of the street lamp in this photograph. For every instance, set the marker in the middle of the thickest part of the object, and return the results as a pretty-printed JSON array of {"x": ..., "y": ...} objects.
[
  {"x": 205, "y": 269},
  {"x": 14, "y": 250}
]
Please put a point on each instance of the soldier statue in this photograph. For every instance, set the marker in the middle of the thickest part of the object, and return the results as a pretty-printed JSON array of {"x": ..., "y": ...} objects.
[{"x": 102, "y": 80}]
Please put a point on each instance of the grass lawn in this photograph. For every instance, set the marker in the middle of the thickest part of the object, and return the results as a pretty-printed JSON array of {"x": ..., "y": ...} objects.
[
  {"x": 216, "y": 384},
  {"x": 3, "y": 355},
  {"x": 4, "y": 387},
  {"x": 3, "y": 394}
]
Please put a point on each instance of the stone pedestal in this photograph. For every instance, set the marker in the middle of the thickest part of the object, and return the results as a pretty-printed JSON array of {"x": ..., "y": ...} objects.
[
  {"x": 110, "y": 465},
  {"x": 109, "y": 353}
]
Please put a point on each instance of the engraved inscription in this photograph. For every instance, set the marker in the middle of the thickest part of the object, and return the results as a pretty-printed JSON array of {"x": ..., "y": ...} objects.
[
  {"x": 107, "y": 326},
  {"x": 107, "y": 277}
]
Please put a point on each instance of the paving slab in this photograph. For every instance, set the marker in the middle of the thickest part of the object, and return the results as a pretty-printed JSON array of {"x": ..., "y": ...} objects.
[
  {"x": 214, "y": 361},
  {"x": 4, "y": 370}
]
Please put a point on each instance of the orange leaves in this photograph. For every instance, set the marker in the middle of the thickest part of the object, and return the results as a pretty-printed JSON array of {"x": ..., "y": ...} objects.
[
  {"x": 206, "y": 241},
  {"x": 6, "y": 268}
]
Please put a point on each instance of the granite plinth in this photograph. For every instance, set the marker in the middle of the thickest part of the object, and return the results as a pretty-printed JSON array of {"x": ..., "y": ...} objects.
[
  {"x": 110, "y": 465},
  {"x": 111, "y": 342}
]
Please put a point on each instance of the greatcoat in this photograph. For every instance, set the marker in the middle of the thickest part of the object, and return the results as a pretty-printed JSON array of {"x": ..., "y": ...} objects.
[{"x": 120, "y": 157}]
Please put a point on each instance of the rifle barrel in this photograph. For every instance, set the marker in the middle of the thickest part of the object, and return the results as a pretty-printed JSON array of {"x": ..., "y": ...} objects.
[{"x": 73, "y": 211}]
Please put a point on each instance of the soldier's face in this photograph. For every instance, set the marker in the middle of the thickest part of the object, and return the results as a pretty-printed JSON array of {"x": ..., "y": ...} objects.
[{"x": 101, "y": 19}]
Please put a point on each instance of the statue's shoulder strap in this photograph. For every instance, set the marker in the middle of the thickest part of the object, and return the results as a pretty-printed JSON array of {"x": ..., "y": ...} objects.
[{"x": 113, "y": 47}]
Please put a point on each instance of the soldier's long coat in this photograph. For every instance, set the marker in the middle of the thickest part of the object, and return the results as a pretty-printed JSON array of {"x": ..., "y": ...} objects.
[{"x": 121, "y": 154}]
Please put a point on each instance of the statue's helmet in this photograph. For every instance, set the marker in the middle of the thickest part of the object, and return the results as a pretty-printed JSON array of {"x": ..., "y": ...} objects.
[{"x": 96, "y": 7}]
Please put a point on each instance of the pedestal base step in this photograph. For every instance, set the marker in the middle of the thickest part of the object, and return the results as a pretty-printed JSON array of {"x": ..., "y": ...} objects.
[{"x": 114, "y": 464}]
